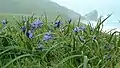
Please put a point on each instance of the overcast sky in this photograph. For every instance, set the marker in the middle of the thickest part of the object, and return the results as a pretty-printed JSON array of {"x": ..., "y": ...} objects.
[
  {"x": 85, "y": 6},
  {"x": 103, "y": 7}
]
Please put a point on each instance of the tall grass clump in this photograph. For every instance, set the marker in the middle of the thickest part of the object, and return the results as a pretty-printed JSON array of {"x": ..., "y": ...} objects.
[{"x": 35, "y": 42}]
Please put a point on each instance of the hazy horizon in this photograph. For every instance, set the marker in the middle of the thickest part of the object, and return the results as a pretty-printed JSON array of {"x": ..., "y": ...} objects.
[{"x": 103, "y": 7}]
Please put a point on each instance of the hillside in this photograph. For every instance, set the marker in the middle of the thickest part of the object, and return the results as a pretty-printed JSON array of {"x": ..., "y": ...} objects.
[{"x": 37, "y": 6}]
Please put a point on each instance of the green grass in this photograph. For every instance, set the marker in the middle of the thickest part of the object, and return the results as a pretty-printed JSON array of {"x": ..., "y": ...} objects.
[{"x": 65, "y": 50}]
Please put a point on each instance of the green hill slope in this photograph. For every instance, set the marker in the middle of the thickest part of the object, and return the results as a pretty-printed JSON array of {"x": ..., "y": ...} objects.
[{"x": 37, "y": 6}]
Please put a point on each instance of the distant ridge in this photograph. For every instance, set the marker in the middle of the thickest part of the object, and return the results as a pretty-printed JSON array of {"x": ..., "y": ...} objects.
[
  {"x": 92, "y": 15},
  {"x": 40, "y": 6},
  {"x": 37, "y": 6}
]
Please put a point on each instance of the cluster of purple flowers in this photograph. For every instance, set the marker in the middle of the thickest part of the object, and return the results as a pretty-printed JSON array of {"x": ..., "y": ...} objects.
[
  {"x": 29, "y": 33},
  {"x": 36, "y": 24},
  {"x": 23, "y": 28},
  {"x": 77, "y": 29},
  {"x": 47, "y": 36}
]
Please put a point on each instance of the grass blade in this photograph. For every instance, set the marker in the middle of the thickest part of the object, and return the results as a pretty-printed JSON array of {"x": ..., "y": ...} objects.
[
  {"x": 16, "y": 59},
  {"x": 85, "y": 62}
]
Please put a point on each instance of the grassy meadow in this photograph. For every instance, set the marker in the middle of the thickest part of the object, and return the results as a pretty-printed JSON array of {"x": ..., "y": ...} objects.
[
  {"x": 54, "y": 37},
  {"x": 35, "y": 42}
]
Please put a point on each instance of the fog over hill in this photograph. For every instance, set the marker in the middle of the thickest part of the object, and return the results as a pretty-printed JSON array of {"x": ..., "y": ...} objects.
[{"x": 39, "y": 7}]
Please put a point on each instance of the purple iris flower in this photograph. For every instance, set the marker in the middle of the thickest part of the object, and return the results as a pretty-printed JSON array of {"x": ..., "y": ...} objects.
[
  {"x": 82, "y": 28},
  {"x": 57, "y": 24},
  {"x": 77, "y": 29},
  {"x": 4, "y": 22},
  {"x": 23, "y": 28},
  {"x": 47, "y": 36},
  {"x": 36, "y": 24},
  {"x": 29, "y": 34}
]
